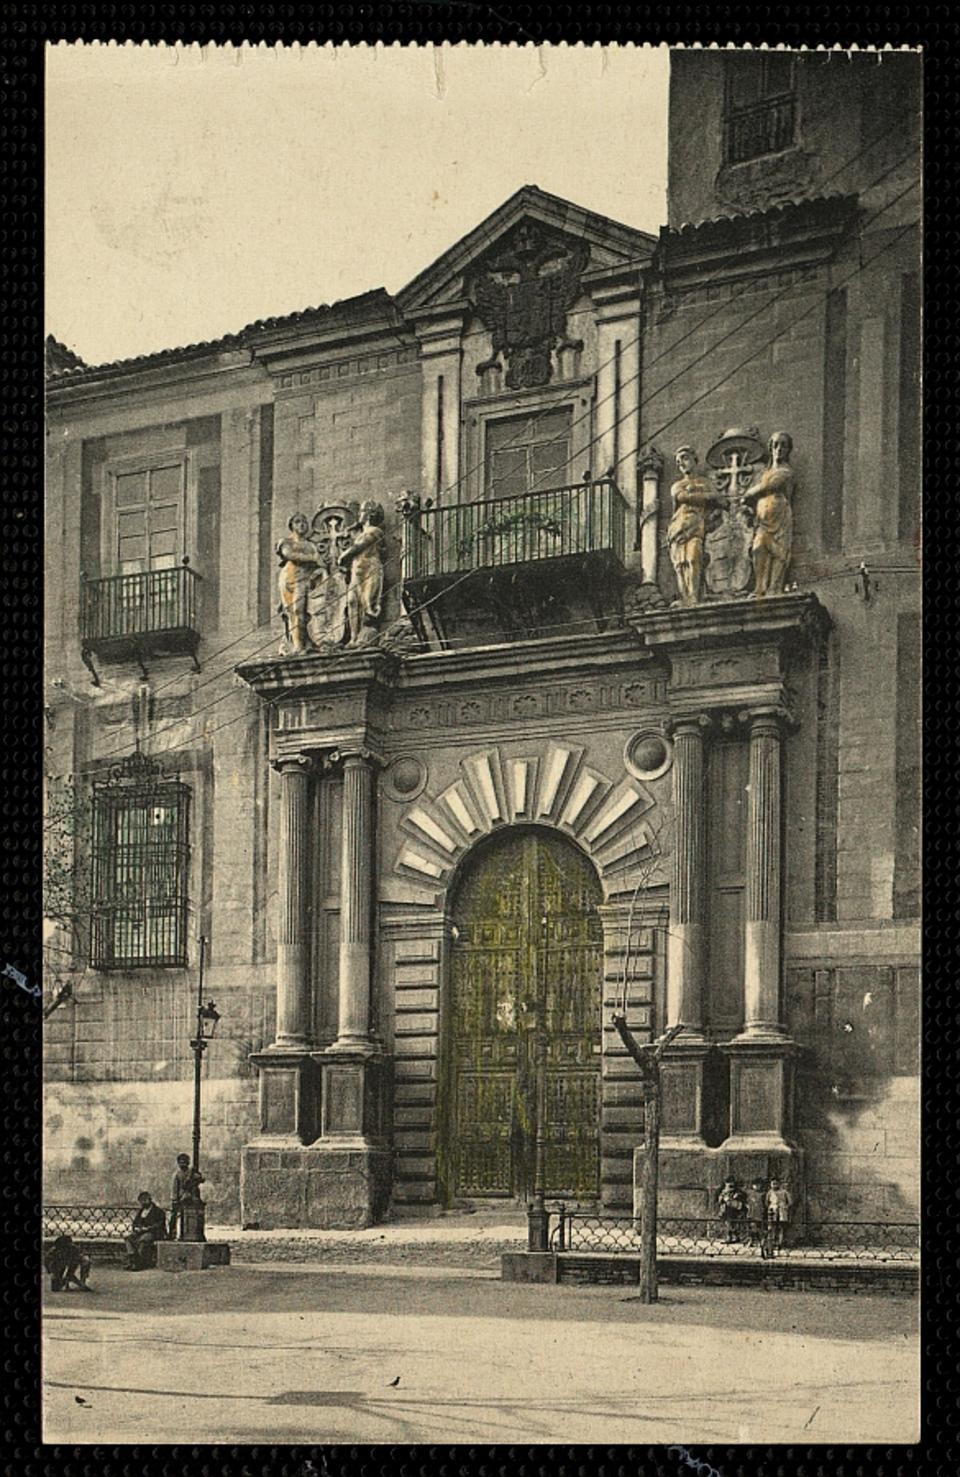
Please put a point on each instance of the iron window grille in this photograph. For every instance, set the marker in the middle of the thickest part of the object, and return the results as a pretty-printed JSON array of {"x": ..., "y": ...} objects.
[
  {"x": 141, "y": 858},
  {"x": 761, "y": 106}
]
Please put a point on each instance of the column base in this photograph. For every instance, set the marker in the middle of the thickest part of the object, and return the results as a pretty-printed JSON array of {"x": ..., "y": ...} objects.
[
  {"x": 354, "y": 1095},
  {"x": 321, "y": 1186},
  {"x": 761, "y": 1087},
  {"x": 685, "y": 1092},
  {"x": 760, "y": 1144},
  {"x": 289, "y": 1095}
]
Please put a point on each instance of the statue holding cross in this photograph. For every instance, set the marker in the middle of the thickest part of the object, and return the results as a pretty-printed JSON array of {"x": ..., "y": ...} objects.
[{"x": 648, "y": 1059}]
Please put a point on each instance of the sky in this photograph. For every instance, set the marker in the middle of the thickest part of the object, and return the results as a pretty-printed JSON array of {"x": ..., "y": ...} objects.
[{"x": 192, "y": 190}]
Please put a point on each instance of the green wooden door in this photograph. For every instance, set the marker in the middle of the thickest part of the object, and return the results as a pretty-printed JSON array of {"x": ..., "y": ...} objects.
[{"x": 526, "y": 987}]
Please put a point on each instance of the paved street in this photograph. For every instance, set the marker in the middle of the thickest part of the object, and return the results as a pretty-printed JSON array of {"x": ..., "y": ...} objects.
[{"x": 370, "y": 1354}]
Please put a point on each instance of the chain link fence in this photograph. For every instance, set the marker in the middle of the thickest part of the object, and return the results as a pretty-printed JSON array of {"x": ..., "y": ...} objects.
[{"x": 873, "y": 1241}]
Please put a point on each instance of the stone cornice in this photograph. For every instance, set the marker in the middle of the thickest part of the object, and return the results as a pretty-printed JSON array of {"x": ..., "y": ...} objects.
[
  {"x": 299, "y": 677},
  {"x": 722, "y": 622},
  {"x": 552, "y": 656},
  {"x": 795, "y": 234}
]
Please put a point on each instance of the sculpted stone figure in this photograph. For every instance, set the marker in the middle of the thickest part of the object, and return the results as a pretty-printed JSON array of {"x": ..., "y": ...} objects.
[
  {"x": 695, "y": 500},
  {"x": 363, "y": 562},
  {"x": 300, "y": 559},
  {"x": 769, "y": 503}
]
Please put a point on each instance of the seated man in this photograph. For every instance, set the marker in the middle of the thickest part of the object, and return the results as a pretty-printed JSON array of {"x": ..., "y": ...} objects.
[
  {"x": 149, "y": 1226},
  {"x": 66, "y": 1263}
]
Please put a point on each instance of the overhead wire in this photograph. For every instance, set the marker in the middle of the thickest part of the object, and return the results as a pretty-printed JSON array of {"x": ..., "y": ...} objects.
[
  {"x": 761, "y": 348},
  {"x": 667, "y": 351},
  {"x": 600, "y": 435}
]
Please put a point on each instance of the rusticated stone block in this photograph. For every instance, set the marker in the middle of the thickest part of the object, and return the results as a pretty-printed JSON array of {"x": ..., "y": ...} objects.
[
  {"x": 528, "y": 1266},
  {"x": 191, "y": 1256},
  {"x": 318, "y": 1186}
]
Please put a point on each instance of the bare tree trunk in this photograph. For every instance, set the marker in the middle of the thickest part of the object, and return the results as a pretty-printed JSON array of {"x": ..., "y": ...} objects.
[
  {"x": 648, "y": 1204},
  {"x": 647, "y": 1059}
]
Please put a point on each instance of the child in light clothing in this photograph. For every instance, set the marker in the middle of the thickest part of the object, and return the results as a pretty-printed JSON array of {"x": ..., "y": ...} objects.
[{"x": 778, "y": 1202}]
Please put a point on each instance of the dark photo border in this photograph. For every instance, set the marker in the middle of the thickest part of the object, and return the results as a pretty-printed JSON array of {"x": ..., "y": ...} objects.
[{"x": 24, "y": 29}]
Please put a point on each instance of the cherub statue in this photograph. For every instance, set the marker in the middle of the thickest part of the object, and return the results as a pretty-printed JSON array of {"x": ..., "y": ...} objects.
[
  {"x": 768, "y": 502},
  {"x": 300, "y": 559},
  {"x": 694, "y": 500},
  {"x": 363, "y": 560}
]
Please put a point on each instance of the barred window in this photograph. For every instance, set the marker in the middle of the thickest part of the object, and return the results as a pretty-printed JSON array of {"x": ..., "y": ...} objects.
[
  {"x": 141, "y": 855},
  {"x": 761, "y": 113}
]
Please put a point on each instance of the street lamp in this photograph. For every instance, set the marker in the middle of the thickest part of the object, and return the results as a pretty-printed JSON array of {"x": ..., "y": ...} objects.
[{"x": 192, "y": 1222}]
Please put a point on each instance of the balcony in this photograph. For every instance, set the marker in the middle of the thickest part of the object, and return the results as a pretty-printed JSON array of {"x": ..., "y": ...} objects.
[
  {"x": 135, "y": 616},
  {"x": 526, "y": 561},
  {"x": 766, "y": 127}
]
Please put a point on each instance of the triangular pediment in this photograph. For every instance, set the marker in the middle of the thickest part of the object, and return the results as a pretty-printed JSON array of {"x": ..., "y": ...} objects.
[{"x": 602, "y": 244}]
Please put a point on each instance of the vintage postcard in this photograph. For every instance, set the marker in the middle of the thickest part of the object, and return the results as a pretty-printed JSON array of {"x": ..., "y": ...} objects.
[{"x": 482, "y": 861}]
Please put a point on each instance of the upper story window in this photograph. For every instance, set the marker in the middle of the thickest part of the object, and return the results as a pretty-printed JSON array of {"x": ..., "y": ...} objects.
[
  {"x": 141, "y": 856},
  {"x": 147, "y": 527},
  {"x": 761, "y": 112},
  {"x": 528, "y": 452}
]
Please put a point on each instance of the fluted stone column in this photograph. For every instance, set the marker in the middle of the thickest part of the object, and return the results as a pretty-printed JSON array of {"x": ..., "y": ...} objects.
[
  {"x": 762, "y": 932},
  {"x": 685, "y": 948},
  {"x": 682, "y": 1073},
  {"x": 762, "y": 1058},
  {"x": 356, "y": 899},
  {"x": 293, "y": 939}
]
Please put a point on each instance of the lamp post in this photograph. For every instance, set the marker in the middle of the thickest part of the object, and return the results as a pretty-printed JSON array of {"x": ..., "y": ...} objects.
[{"x": 192, "y": 1214}]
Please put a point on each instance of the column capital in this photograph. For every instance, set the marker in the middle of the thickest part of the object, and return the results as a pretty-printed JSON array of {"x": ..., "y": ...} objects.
[
  {"x": 650, "y": 462},
  {"x": 771, "y": 718},
  {"x": 294, "y": 764},
  {"x": 698, "y": 723},
  {"x": 356, "y": 756}
]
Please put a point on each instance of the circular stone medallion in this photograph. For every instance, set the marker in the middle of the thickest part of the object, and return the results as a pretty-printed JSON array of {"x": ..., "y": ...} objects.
[
  {"x": 405, "y": 778},
  {"x": 648, "y": 754}
]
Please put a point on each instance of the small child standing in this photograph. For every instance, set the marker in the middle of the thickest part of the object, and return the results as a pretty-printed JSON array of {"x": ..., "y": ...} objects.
[
  {"x": 755, "y": 1196},
  {"x": 778, "y": 1202},
  {"x": 732, "y": 1206}
]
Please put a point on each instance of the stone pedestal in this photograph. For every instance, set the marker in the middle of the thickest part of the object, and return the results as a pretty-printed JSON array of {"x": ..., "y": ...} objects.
[
  {"x": 761, "y": 1094},
  {"x": 191, "y": 1256},
  {"x": 683, "y": 1148},
  {"x": 321, "y": 1186},
  {"x": 289, "y": 1096}
]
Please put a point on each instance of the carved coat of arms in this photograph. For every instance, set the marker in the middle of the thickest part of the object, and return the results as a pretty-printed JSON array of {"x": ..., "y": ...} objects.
[{"x": 524, "y": 293}]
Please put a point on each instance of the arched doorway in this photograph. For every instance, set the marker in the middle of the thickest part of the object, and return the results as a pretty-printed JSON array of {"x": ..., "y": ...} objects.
[{"x": 524, "y": 1021}]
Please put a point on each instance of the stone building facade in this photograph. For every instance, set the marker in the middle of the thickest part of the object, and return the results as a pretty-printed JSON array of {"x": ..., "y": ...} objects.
[{"x": 526, "y": 748}]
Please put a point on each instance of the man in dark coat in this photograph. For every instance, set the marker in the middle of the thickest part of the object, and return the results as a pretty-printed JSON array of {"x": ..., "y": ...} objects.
[{"x": 148, "y": 1227}]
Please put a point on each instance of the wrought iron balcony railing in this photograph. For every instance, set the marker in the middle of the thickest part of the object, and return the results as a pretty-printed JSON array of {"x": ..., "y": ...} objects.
[
  {"x": 141, "y": 614},
  {"x": 765, "y": 128},
  {"x": 554, "y": 523}
]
